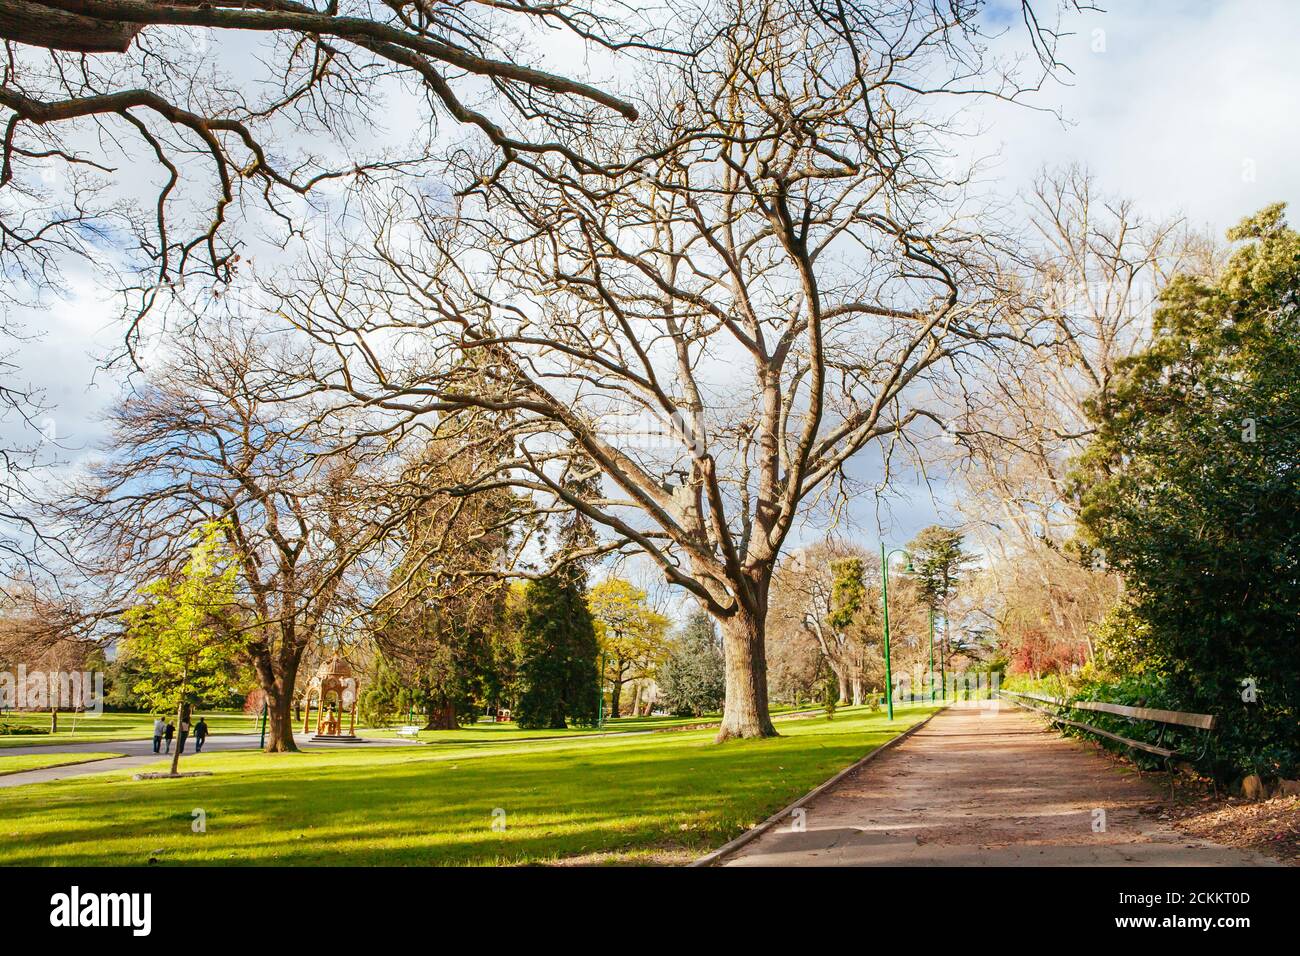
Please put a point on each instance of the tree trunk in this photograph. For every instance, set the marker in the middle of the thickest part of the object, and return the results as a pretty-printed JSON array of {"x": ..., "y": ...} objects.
[
  {"x": 615, "y": 692},
  {"x": 279, "y": 721},
  {"x": 745, "y": 712},
  {"x": 857, "y": 691},
  {"x": 181, "y": 714},
  {"x": 636, "y": 700},
  {"x": 844, "y": 689},
  {"x": 54, "y": 720},
  {"x": 441, "y": 717}
]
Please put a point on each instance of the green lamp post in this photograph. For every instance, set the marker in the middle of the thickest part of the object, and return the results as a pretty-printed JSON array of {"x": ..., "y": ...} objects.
[
  {"x": 884, "y": 599},
  {"x": 931, "y": 655},
  {"x": 600, "y": 694}
]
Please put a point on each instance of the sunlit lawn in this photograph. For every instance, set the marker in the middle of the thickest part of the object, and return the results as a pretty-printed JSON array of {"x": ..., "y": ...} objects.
[
  {"x": 17, "y": 763},
  {"x": 489, "y": 732},
  {"x": 616, "y": 798}
]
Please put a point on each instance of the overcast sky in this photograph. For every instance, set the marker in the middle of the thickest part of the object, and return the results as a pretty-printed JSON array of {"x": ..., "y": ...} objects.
[{"x": 1184, "y": 106}]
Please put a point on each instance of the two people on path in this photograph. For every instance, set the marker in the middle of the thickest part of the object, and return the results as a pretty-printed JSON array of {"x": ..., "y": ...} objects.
[{"x": 159, "y": 728}]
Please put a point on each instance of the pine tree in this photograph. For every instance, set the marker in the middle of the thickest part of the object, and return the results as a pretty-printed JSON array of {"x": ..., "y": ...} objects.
[
  {"x": 692, "y": 682},
  {"x": 558, "y": 671}
]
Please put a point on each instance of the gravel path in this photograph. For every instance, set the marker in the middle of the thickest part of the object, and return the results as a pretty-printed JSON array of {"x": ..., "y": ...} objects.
[{"x": 988, "y": 786}]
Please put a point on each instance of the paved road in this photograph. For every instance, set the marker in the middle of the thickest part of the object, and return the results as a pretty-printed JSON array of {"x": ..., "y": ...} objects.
[
  {"x": 139, "y": 753},
  {"x": 987, "y": 787}
]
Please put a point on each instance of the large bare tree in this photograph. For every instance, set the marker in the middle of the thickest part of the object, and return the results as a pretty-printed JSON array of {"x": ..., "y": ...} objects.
[
  {"x": 199, "y": 441},
  {"x": 717, "y": 329}
]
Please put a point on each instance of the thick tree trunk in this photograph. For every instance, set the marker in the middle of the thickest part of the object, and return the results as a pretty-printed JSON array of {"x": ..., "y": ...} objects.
[
  {"x": 636, "y": 701},
  {"x": 616, "y": 691},
  {"x": 745, "y": 713},
  {"x": 279, "y": 720},
  {"x": 441, "y": 717},
  {"x": 844, "y": 689},
  {"x": 857, "y": 691}
]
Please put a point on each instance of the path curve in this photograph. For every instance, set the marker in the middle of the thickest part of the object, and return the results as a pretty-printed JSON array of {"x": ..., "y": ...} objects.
[{"x": 988, "y": 786}]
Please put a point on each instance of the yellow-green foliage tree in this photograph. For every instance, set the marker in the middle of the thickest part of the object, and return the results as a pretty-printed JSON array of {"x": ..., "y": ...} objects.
[
  {"x": 633, "y": 636},
  {"x": 184, "y": 636}
]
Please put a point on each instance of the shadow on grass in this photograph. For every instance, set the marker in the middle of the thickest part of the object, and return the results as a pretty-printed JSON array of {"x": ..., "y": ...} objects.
[{"x": 393, "y": 807}]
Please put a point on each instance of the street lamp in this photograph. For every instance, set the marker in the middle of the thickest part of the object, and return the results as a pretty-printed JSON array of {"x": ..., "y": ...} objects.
[{"x": 884, "y": 598}]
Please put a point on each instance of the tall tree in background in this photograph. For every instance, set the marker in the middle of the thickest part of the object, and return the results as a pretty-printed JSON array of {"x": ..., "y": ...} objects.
[
  {"x": 632, "y": 635},
  {"x": 434, "y": 625},
  {"x": 822, "y": 591},
  {"x": 558, "y": 674},
  {"x": 1191, "y": 491},
  {"x": 939, "y": 562}
]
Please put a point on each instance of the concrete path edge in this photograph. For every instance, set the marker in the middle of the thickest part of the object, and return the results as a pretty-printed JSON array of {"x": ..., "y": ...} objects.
[{"x": 753, "y": 833}]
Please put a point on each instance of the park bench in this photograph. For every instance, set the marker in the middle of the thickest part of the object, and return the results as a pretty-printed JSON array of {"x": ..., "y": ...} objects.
[
  {"x": 410, "y": 730},
  {"x": 1165, "y": 719}
]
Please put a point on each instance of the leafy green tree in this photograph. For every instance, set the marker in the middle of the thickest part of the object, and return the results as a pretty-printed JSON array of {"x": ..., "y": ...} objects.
[
  {"x": 633, "y": 635},
  {"x": 558, "y": 647},
  {"x": 184, "y": 637},
  {"x": 1192, "y": 491},
  {"x": 692, "y": 681}
]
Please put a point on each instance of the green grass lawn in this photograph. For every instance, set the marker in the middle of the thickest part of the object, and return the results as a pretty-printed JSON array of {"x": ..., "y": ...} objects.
[
  {"x": 629, "y": 798},
  {"x": 488, "y": 732},
  {"x": 90, "y": 728},
  {"x": 17, "y": 763}
]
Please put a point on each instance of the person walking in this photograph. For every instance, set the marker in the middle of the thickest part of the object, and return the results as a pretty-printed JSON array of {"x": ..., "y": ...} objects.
[
  {"x": 200, "y": 735},
  {"x": 168, "y": 731},
  {"x": 158, "y": 728},
  {"x": 185, "y": 732}
]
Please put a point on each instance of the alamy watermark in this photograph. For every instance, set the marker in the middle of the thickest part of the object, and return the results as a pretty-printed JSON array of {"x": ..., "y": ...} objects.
[{"x": 49, "y": 690}]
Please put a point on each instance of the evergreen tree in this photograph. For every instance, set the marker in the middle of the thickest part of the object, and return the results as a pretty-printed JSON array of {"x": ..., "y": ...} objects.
[
  {"x": 558, "y": 673},
  {"x": 692, "y": 681}
]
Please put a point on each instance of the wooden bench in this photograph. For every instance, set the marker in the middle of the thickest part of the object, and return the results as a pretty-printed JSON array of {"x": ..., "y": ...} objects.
[
  {"x": 1165, "y": 718},
  {"x": 410, "y": 730}
]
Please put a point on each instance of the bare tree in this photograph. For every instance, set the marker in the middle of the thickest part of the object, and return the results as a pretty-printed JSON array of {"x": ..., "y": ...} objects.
[
  {"x": 195, "y": 128},
  {"x": 720, "y": 327},
  {"x": 198, "y": 442},
  {"x": 804, "y": 598},
  {"x": 1088, "y": 282}
]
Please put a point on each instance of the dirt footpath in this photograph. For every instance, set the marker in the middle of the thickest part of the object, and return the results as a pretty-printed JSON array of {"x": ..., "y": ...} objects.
[{"x": 988, "y": 787}]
